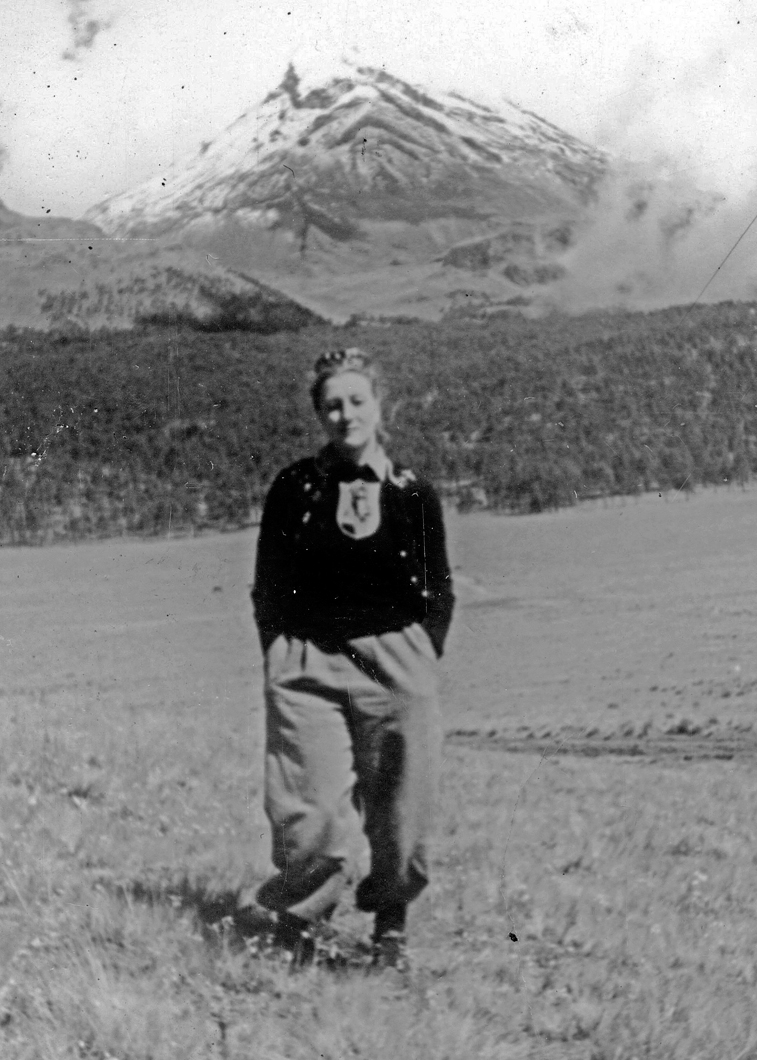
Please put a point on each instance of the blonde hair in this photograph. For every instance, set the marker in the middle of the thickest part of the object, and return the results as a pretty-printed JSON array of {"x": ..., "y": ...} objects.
[{"x": 337, "y": 362}]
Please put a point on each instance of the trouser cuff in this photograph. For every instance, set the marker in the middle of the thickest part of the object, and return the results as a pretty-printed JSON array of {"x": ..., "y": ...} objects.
[{"x": 311, "y": 897}]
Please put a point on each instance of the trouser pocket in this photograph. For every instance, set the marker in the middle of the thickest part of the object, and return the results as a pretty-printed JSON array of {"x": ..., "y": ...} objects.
[
  {"x": 276, "y": 657},
  {"x": 420, "y": 640}
]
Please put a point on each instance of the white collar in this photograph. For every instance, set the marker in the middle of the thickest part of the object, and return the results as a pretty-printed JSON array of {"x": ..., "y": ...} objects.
[
  {"x": 377, "y": 461},
  {"x": 380, "y": 463}
]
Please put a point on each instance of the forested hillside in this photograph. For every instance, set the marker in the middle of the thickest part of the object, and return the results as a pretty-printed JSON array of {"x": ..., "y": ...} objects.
[{"x": 160, "y": 429}]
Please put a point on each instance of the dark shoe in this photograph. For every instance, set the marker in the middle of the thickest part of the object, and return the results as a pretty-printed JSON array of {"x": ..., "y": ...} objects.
[
  {"x": 390, "y": 918},
  {"x": 295, "y": 937},
  {"x": 389, "y": 938},
  {"x": 390, "y": 951},
  {"x": 251, "y": 921}
]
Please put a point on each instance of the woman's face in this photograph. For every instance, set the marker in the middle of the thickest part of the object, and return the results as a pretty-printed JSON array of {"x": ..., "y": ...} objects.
[{"x": 349, "y": 411}]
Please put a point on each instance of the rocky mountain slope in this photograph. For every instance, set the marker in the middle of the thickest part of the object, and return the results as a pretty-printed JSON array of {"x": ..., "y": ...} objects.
[
  {"x": 367, "y": 195},
  {"x": 57, "y": 272}
]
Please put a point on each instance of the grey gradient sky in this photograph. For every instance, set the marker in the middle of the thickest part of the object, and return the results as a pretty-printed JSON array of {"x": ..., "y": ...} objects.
[{"x": 98, "y": 95}]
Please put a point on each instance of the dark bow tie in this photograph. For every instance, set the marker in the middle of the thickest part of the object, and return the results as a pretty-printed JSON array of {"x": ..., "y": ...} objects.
[{"x": 347, "y": 472}]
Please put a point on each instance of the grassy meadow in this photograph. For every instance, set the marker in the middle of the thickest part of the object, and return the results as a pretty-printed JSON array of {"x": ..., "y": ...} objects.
[{"x": 595, "y": 871}]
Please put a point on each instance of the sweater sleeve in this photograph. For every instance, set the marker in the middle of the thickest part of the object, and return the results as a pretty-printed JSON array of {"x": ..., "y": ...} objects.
[
  {"x": 431, "y": 545},
  {"x": 272, "y": 589}
]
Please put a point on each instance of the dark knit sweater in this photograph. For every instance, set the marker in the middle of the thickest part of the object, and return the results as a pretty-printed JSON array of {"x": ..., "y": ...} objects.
[{"x": 314, "y": 582}]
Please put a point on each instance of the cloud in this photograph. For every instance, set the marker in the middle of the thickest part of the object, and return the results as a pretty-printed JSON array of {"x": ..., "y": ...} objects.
[
  {"x": 3, "y": 150},
  {"x": 85, "y": 29},
  {"x": 687, "y": 100},
  {"x": 672, "y": 221},
  {"x": 657, "y": 239}
]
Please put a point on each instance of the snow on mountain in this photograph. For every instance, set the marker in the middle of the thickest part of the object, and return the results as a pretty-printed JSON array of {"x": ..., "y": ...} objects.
[
  {"x": 367, "y": 194},
  {"x": 364, "y": 145}
]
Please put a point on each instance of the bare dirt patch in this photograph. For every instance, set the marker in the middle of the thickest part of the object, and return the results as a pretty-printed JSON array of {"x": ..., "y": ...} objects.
[{"x": 655, "y": 747}]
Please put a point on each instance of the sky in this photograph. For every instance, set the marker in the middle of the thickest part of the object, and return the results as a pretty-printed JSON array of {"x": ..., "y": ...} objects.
[{"x": 99, "y": 95}]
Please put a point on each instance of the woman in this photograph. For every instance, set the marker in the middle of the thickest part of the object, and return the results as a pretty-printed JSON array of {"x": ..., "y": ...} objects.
[{"x": 353, "y": 600}]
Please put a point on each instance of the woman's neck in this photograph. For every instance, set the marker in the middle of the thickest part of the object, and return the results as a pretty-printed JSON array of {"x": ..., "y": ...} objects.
[{"x": 371, "y": 451}]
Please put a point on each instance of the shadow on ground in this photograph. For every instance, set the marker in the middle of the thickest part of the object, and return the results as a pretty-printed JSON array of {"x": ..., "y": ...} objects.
[{"x": 225, "y": 919}]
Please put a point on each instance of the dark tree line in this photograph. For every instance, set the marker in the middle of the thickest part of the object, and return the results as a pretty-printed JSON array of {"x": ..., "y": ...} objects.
[{"x": 158, "y": 428}]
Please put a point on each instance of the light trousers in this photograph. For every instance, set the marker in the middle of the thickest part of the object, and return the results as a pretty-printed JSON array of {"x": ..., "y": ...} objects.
[{"x": 353, "y": 743}]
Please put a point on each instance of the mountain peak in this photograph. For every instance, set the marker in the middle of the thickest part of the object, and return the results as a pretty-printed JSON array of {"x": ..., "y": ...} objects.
[
  {"x": 347, "y": 168},
  {"x": 359, "y": 123},
  {"x": 312, "y": 79},
  {"x": 308, "y": 88}
]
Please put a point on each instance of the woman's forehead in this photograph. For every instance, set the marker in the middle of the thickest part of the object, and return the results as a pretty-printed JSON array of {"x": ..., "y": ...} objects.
[{"x": 346, "y": 383}]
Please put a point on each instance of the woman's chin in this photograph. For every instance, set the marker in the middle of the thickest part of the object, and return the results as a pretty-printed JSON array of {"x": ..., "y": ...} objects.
[{"x": 350, "y": 446}]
